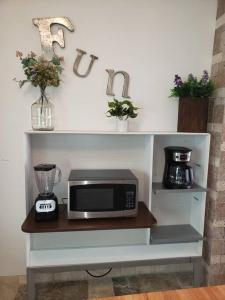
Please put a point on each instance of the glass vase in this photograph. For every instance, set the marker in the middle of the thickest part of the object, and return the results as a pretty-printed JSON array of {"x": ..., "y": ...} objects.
[{"x": 42, "y": 114}]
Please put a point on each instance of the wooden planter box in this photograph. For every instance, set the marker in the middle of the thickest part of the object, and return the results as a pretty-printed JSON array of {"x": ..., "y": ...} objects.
[{"x": 192, "y": 114}]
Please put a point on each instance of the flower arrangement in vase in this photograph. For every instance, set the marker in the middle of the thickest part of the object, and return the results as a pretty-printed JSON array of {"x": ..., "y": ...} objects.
[
  {"x": 122, "y": 110},
  {"x": 193, "y": 96},
  {"x": 41, "y": 73}
]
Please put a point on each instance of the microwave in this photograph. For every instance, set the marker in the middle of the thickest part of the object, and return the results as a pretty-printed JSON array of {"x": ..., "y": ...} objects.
[{"x": 102, "y": 194}]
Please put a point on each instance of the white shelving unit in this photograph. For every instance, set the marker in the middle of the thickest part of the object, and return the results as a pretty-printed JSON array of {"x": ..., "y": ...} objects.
[{"x": 143, "y": 153}]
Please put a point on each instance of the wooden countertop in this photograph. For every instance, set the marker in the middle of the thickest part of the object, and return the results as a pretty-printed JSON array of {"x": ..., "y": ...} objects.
[
  {"x": 205, "y": 293},
  {"x": 144, "y": 219}
]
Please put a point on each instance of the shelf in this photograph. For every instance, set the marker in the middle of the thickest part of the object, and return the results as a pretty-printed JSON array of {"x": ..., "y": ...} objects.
[
  {"x": 158, "y": 187},
  {"x": 144, "y": 219},
  {"x": 111, "y": 255},
  {"x": 174, "y": 234},
  {"x": 31, "y": 132}
]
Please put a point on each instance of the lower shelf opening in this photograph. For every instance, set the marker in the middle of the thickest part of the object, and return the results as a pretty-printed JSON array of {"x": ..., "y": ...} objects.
[{"x": 108, "y": 256}]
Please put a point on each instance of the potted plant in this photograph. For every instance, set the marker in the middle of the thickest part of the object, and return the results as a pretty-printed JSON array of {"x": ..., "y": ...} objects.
[
  {"x": 41, "y": 73},
  {"x": 122, "y": 110},
  {"x": 193, "y": 96}
]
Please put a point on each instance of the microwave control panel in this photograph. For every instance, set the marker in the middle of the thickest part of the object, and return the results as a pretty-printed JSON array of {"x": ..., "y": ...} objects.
[{"x": 130, "y": 200}]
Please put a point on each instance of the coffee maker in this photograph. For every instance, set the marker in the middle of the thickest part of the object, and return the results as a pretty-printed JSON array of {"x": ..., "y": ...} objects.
[
  {"x": 177, "y": 173},
  {"x": 46, "y": 203}
]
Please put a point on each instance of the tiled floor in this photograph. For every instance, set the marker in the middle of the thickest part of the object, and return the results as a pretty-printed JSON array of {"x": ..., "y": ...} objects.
[
  {"x": 85, "y": 289},
  {"x": 9, "y": 286}
]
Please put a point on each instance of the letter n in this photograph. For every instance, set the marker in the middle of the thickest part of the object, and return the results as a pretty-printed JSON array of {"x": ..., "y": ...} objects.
[{"x": 111, "y": 78}]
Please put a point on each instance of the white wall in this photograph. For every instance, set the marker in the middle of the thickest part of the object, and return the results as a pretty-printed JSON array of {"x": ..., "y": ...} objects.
[{"x": 150, "y": 39}]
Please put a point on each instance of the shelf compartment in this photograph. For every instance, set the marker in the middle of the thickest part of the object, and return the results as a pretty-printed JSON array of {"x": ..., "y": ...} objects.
[
  {"x": 167, "y": 234},
  {"x": 144, "y": 219},
  {"x": 158, "y": 187}
]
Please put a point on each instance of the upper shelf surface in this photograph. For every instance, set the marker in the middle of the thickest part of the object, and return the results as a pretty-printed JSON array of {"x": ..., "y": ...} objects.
[
  {"x": 31, "y": 132},
  {"x": 144, "y": 219},
  {"x": 158, "y": 187}
]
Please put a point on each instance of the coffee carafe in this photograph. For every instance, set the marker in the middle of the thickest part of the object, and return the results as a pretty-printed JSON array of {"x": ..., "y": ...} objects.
[
  {"x": 177, "y": 173},
  {"x": 46, "y": 203}
]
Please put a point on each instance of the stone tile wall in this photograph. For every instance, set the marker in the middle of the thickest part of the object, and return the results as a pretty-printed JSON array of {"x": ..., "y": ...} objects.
[
  {"x": 214, "y": 245},
  {"x": 221, "y": 8}
]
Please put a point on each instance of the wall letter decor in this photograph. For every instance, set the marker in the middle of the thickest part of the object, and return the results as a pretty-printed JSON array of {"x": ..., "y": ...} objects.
[
  {"x": 47, "y": 38},
  {"x": 112, "y": 75},
  {"x": 77, "y": 63}
]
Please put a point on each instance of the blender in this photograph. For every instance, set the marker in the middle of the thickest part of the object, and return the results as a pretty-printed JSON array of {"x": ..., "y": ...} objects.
[{"x": 46, "y": 203}]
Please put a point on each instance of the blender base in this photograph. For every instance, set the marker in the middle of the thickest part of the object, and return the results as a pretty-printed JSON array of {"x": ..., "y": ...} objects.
[{"x": 46, "y": 207}]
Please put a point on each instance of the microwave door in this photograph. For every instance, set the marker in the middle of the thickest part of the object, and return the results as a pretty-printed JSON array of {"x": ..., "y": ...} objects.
[{"x": 92, "y": 197}]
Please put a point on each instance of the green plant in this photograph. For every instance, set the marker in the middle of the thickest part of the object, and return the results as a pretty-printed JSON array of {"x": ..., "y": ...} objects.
[
  {"x": 193, "y": 87},
  {"x": 122, "y": 109},
  {"x": 39, "y": 71}
]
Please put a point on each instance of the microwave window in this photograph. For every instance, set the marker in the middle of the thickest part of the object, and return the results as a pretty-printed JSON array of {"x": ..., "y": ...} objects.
[{"x": 94, "y": 199}]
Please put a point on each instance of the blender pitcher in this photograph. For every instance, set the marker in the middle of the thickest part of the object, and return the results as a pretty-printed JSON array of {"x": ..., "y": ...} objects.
[
  {"x": 45, "y": 177},
  {"x": 46, "y": 203}
]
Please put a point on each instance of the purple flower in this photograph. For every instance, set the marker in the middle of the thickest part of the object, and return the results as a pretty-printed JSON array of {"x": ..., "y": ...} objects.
[
  {"x": 205, "y": 77},
  {"x": 178, "y": 81}
]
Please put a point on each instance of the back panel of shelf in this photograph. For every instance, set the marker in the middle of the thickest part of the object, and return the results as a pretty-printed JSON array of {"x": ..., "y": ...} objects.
[
  {"x": 168, "y": 209},
  {"x": 92, "y": 152},
  {"x": 180, "y": 208},
  {"x": 83, "y": 239}
]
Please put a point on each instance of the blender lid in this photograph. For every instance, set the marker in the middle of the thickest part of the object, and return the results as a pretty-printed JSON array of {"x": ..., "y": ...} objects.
[
  {"x": 177, "y": 149},
  {"x": 44, "y": 167}
]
